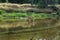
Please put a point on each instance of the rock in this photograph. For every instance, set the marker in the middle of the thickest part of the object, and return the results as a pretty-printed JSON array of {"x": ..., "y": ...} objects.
[{"x": 22, "y": 8}]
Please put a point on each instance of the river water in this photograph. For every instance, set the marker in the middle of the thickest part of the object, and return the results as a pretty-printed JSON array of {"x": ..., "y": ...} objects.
[
  {"x": 19, "y": 36},
  {"x": 28, "y": 35}
]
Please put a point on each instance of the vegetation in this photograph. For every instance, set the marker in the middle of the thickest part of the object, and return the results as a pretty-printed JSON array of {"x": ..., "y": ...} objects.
[
  {"x": 6, "y": 1},
  {"x": 15, "y": 15},
  {"x": 2, "y": 11}
]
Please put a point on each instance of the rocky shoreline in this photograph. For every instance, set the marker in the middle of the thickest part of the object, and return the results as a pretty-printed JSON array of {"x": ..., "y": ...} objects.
[{"x": 22, "y": 8}]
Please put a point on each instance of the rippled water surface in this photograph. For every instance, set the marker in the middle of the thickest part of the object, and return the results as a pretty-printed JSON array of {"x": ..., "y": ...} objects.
[{"x": 29, "y": 35}]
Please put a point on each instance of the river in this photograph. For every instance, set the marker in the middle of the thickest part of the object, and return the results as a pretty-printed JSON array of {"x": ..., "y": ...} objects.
[{"x": 28, "y": 35}]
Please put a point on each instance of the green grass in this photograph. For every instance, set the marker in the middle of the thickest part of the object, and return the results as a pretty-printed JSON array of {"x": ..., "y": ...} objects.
[
  {"x": 36, "y": 15},
  {"x": 40, "y": 16}
]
